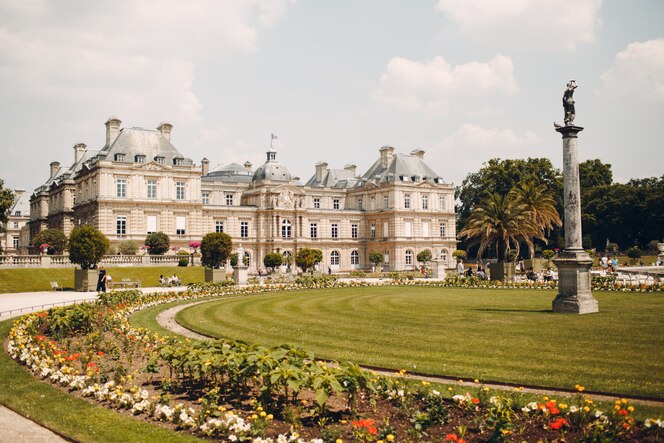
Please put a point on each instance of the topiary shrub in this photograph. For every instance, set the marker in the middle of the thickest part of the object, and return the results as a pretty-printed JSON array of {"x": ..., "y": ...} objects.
[
  {"x": 376, "y": 257},
  {"x": 273, "y": 260},
  {"x": 184, "y": 258},
  {"x": 460, "y": 253},
  {"x": 158, "y": 243},
  {"x": 216, "y": 247},
  {"x": 128, "y": 247},
  {"x": 54, "y": 238},
  {"x": 307, "y": 258},
  {"x": 634, "y": 253},
  {"x": 87, "y": 246}
]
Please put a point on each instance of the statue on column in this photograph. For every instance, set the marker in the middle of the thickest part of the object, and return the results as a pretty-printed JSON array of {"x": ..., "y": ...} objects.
[{"x": 568, "y": 103}]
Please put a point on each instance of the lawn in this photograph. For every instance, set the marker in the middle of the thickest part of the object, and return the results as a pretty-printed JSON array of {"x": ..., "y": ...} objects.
[
  {"x": 38, "y": 279},
  {"x": 501, "y": 335}
]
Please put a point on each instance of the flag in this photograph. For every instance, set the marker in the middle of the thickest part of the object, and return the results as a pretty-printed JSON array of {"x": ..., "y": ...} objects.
[{"x": 274, "y": 137}]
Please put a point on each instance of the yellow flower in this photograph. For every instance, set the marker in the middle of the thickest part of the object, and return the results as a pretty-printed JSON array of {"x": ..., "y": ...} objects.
[
  {"x": 263, "y": 413},
  {"x": 389, "y": 437},
  {"x": 343, "y": 422},
  {"x": 221, "y": 409},
  {"x": 630, "y": 408},
  {"x": 450, "y": 389},
  {"x": 586, "y": 409},
  {"x": 485, "y": 389},
  {"x": 254, "y": 416},
  {"x": 545, "y": 398},
  {"x": 259, "y": 409},
  {"x": 476, "y": 381},
  {"x": 339, "y": 440},
  {"x": 270, "y": 417},
  {"x": 623, "y": 401},
  {"x": 617, "y": 407}
]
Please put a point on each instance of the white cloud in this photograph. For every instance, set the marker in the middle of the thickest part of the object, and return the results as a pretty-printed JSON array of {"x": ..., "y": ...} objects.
[
  {"x": 537, "y": 23},
  {"x": 637, "y": 72},
  {"x": 414, "y": 85},
  {"x": 479, "y": 138}
]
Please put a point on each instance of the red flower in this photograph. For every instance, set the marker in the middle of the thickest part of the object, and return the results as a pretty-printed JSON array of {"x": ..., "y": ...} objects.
[
  {"x": 452, "y": 437},
  {"x": 100, "y": 353},
  {"x": 550, "y": 404},
  {"x": 558, "y": 423},
  {"x": 623, "y": 412},
  {"x": 475, "y": 400},
  {"x": 554, "y": 411}
]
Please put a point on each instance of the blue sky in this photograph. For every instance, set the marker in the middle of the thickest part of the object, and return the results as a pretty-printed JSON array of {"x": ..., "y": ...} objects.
[{"x": 464, "y": 80}]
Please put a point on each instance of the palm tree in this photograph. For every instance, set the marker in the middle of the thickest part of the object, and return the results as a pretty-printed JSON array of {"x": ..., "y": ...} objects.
[
  {"x": 539, "y": 202},
  {"x": 500, "y": 220}
]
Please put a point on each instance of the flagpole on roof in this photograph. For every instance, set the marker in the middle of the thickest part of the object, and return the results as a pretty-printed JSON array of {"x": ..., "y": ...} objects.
[{"x": 272, "y": 138}]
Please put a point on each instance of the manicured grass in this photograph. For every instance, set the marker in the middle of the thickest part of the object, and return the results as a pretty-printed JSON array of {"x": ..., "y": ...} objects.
[
  {"x": 502, "y": 335},
  {"x": 73, "y": 417},
  {"x": 38, "y": 279}
]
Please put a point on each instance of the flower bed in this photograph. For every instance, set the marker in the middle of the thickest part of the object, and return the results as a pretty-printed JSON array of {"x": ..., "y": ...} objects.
[{"x": 238, "y": 392}]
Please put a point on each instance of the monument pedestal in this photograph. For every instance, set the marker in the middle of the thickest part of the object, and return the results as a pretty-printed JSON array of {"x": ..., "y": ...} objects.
[
  {"x": 574, "y": 295},
  {"x": 240, "y": 275},
  {"x": 438, "y": 269}
]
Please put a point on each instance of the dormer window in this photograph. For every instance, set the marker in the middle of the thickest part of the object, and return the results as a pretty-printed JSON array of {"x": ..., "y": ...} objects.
[
  {"x": 178, "y": 161},
  {"x": 140, "y": 158},
  {"x": 159, "y": 159},
  {"x": 119, "y": 157}
]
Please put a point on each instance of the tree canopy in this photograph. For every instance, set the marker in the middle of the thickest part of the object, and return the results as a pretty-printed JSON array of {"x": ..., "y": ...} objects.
[
  {"x": 87, "y": 246},
  {"x": 157, "y": 243},
  {"x": 6, "y": 203},
  {"x": 424, "y": 256},
  {"x": 307, "y": 258},
  {"x": 376, "y": 257},
  {"x": 54, "y": 238},
  {"x": 273, "y": 260},
  {"x": 215, "y": 247}
]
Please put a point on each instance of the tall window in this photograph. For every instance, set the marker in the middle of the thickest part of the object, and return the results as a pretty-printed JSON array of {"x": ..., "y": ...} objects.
[
  {"x": 121, "y": 225},
  {"x": 16, "y": 223},
  {"x": 314, "y": 230},
  {"x": 120, "y": 187},
  {"x": 372, "y": 203},
  {"x": 425, "y": 229},
  {"x": 441, "y": 202},
  {"x": 425, "y": 202},
  {"x": 335, "y": 203},
  {"x": 152, "y": 188},
  {"x": 316, "y": 203},
  {"x": 386, "y": 202},
  {"x": 354, "y": 258},
  {"x": 406, "y": 201},
  {"x": 408, "y": 229},
  {"x": 179, "y": 190},
  {"x": 218, "y": 226},
  {"x": 17, "y": 242},
  {"x": 206, "y": 198},
  {"x": 335, "y": 230},
  {"x": 372, "y": 231},
  {"x": 386, "y": 229},
  {"x": 334, "y": 258},
  {"x": 244, "y": 229},
  {"x": 353, "y": 230},
  {"x": 409, "y": 257},
  {"x": 229, "y": 199},
  {"x": 286, "y": 229},
  {"x": 180, "y": 225},
  {"x": 151, "y": 222},
  {"x": 442, "y": 229}
]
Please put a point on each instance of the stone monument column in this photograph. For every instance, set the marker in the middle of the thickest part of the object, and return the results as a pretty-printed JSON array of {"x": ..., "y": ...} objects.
[{"x": 574, "y": 294}]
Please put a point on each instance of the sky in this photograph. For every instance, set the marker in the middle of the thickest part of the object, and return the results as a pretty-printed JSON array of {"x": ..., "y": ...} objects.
[{"x": 463, "y": 80}]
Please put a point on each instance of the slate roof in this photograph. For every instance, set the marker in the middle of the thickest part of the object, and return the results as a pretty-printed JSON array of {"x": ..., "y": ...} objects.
[
  {"x": 334, "y": 178},
  {"x": 402, "y": 167},
  {"x": 21, "y": 206},
  {"x": 232, "y": 173},
  {"x": 141, "y": 141}
]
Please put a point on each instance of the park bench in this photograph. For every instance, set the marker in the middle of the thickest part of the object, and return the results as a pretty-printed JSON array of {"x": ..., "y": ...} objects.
[
  {"x": 55, "y": 286},
  {"x": 126, "y": 283}
]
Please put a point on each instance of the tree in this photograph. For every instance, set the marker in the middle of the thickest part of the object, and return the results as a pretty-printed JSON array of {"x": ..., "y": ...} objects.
[
  {"x": 233, "y": 259},
  {"x": 500, "y": 176},
  {"x": 54, "y": 238},
  {"x": 460, "y": 254},
  {"x": 6, "y": 203},
  {"x": 273, "y": 260},
  {"x": 376, "y": 257},
  {"x": 128, "y": 247},
  {"x": 501, "y": 221},
  {"x": 424, "y": 256},
  {"x": 157, "y": 243},
  {"x": 540, "y": 205},
  {"x": 216, "y": 247},
  {"x": 634, "y": 253},
  {"x": 307, "y": 258},
  {"x": 87, "y": 246},
  {"x": 593, "y": 173}
]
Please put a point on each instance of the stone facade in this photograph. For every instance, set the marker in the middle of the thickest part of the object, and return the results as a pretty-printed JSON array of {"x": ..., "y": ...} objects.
[
  {"x": 14, "y": 240},
  {"x": 140, "y": 183}
]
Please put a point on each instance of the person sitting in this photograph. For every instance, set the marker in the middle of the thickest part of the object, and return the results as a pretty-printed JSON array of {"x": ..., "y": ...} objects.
[
  {"x": 175, "y": 281},
  {"x": 480, "y": 273},
  {"x": 548, "y": 275},
  {"x": 530, "y": 275},
  {"x": 469, "y": 271},
  {"x": 162, "y": 280}
]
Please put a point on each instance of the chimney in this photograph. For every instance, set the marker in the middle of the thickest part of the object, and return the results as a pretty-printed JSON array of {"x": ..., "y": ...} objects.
[
  {"x": 321, "y": 169},
  {"x": 247, "y": 165},
  {"x": 417, "y": 153},
  {"x": 350, "y": 168},
  {"x": 112, "y": 129},
  {"x": 165, "y": 128},
  {"x": 79, "y": 151},
  {"x": 54, "y": 168},
  {"x": 205, "y": 166},
  {"x": 386, "y": 155}
]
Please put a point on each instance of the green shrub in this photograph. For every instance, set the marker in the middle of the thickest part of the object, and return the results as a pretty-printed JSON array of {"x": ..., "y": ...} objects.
[
  {"x": 634, "y": 253},
  {"x": 307, "y": 258},
  {"x": 272, "y": 260},
  {"x": 87, "y": 246},
  {"x": 376, "y": 257},
  {"x": 215, "y": 249},
  {"x": 157, "y": 243},
  {"x": 128, "y": 247},
  {"x": 54, "y": 238},
  {"x": 460, "y": 253}
]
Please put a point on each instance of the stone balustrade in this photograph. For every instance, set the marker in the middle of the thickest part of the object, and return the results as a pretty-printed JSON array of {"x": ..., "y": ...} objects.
[{"x": 62, "y": 261}]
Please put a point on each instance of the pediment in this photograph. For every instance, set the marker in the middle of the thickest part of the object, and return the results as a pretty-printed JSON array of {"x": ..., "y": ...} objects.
[
  {"x": 151, "y": 166},
  {"x": 427, "y": 184}
]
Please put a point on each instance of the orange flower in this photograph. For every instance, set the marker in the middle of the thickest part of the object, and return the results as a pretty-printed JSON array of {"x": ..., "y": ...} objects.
[
  {"x": 100, "y": 353},
  {"x": 558, "y": 423},
  {"x": 475, "y": 400},
  {"x": 623, "y": 412},
  {"x": 451, "y": 437}
]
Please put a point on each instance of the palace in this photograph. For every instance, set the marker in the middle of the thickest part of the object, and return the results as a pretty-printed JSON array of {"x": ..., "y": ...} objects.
[{"x": 139, "y": 183}]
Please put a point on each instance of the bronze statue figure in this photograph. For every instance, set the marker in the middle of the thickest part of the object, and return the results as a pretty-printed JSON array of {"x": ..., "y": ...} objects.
[{"x": 568, "y": 103}]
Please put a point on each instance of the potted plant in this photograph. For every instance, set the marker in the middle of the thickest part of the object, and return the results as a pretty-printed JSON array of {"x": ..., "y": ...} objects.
[
  {"x": 158, "y": 243},
  {"x": 376, "y": 258},
  {"x": 272, "y": 260},
  {"x": 307, "y": 258},
  {"x": 87, "y": 246},
  {"x": 216, "y": 248}
]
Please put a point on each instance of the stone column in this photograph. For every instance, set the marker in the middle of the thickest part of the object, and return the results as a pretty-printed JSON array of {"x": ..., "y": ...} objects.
[{"x": 574, "y": 294}]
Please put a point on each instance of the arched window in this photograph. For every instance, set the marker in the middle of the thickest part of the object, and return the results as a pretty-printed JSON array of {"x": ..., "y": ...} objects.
[
  {"x": 286, "y": 229},
  {"x": 443, "y": 254},
  {"x": 354, "y": 258},
  {"x": 334, "y": 258},
  {"x": 409, "y": 257}
]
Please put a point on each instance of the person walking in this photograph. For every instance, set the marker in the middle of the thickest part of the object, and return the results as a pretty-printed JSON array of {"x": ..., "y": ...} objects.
[{"x": 101, "y": 280}]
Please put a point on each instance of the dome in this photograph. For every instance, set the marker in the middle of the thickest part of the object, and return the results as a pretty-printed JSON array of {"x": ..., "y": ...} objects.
[{"x": 272, "y": 170}]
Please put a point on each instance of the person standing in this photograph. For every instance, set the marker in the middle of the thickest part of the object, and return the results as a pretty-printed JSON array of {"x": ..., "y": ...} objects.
[
  {"x": 101, "y": 280},
  {"x": 460, "y": 268}
]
